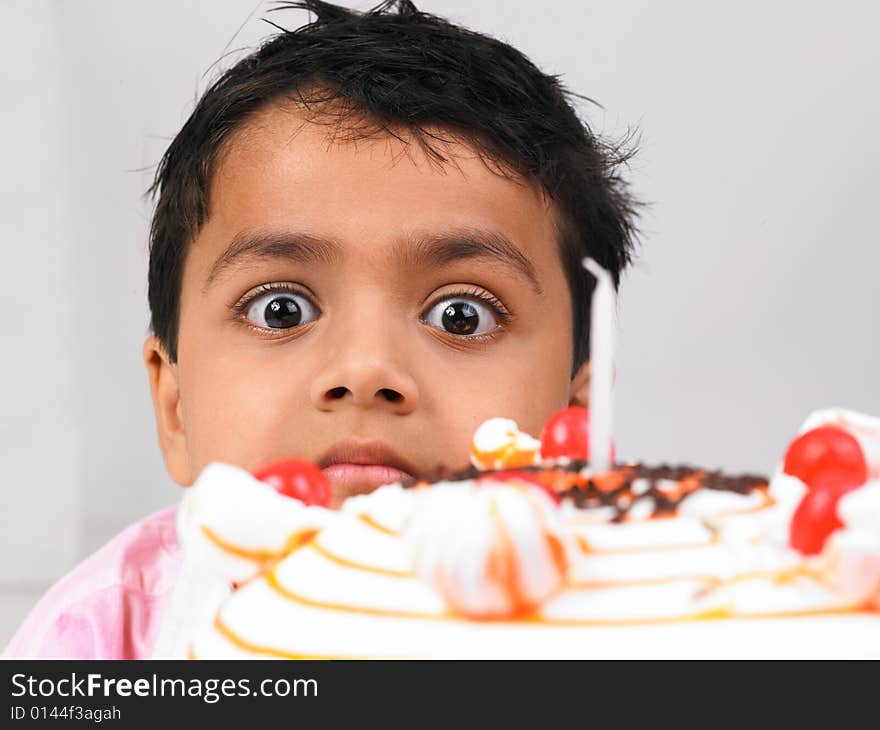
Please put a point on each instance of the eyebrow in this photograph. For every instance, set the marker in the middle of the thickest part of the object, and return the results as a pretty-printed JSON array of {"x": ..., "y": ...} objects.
[
  {"x": 419, "y": 250},
  {"x": 249, "y": 246},
  {"x": 445, "y": 248}
]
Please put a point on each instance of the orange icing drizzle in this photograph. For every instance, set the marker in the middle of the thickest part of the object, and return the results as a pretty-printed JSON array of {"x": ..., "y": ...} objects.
[
  {"x": 521, "y": 616},
  {"x": 506, "y": 456},
  {"x": 244, "y": 645},
  {"x": 339, "y": 560},
  {"x": 769, "y": 501},
  {"x": 712, "y": 582},
  {"x": 498, "y": 569},
  {"x": 368, "y": 520},
  {"x": 273, "y": 583},
  {"x": 715, "y": 613},
  {"x": 501, "y": 566},
  {"x": 711, "y": 614},
  {"x": 584, "y": 545},
  {"x": 611, "y": 584},
  {"x": 608, "y": 481},
  {"x": 295, "y": 541},
  {"x": 558, "y": 554}
]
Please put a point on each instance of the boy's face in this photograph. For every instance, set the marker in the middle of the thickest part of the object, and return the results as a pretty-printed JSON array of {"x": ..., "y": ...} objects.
[{"x": 357, "y": 305}]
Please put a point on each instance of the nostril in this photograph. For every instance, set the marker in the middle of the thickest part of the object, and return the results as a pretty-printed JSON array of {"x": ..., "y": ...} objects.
[
  {"x": 337, "y": 393},
  {"x": 392, "y": 396}
]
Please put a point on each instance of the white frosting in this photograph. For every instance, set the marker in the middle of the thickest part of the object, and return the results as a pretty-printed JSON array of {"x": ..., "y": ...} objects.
[
  {"x": 787, "y": 492},
  {"x": 859, "y": 509},
  {"x": 391, "y": 506},
  {"x": 490, "y": 549},
  {"x": 854, "y": 551}
]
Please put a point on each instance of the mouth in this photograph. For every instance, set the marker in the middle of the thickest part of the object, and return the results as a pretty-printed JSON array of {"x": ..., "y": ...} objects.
[{"x": 354, "y": 467}]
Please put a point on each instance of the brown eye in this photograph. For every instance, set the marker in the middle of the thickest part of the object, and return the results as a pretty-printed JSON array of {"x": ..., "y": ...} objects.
[
  {"x": 462, "y": 317},
  {"x": 281, "y": 311}
]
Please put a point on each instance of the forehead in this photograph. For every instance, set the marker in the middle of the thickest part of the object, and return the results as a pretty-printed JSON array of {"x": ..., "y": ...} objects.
[{"x": 285, "y": 171}]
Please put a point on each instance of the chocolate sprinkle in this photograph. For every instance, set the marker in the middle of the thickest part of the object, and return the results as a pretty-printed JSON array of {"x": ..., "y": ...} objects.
[{"x": 667, "y": 485}]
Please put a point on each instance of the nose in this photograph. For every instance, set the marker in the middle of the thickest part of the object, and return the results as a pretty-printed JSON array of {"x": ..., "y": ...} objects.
[{"x": 368, "y": 372}]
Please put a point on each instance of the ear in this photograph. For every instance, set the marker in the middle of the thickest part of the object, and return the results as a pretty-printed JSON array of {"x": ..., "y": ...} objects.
[
  {"x": 165, "y": 391},
  {"x": 580, "y": 387}
]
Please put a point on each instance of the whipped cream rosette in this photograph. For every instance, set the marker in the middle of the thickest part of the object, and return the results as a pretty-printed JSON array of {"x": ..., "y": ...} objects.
[
  {"x": 494, "y": 549},
  {"x": 499, "y": 444},
  {"x": 231, "y": 526},
  {"x": 540, "y": 560}
]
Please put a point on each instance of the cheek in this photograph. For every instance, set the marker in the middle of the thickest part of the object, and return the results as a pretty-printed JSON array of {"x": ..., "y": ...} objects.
[
  {"x": 527, "y": 383},
  {"x": 241, "y": 410},
  {"x": 529, "y": 396},
  {"x": 538, "y": 375}
]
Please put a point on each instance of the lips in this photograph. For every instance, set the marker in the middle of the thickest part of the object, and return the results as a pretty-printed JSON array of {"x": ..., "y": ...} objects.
[{"x": 359, "y": 467}]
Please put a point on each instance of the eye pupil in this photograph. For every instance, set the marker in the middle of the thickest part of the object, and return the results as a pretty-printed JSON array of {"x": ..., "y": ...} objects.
[
  {"x": 461, "y": 318},
  {"x": 282, "y": 312}
]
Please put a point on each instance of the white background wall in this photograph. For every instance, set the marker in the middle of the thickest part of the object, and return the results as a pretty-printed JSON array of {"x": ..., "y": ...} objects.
[{"x": 755, "y": 300}]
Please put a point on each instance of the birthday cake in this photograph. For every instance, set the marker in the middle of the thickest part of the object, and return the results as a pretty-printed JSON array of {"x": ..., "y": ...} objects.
[{"x": 533, "y": 553}]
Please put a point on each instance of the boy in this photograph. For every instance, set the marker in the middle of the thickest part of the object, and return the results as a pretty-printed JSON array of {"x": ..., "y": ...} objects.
[{"x": 367, "y": 241}]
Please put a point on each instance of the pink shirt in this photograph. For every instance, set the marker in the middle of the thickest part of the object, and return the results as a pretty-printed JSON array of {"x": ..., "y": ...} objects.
[{"x": 111, "y": 604}]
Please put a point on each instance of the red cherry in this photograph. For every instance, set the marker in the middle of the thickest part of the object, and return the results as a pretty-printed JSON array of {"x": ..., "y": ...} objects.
[
  {"x": 298, "y": 479},
  {"x": 567, "y": 434},
  {"x": 816, "y": 517},
  {"x": 826, "y": 455}
]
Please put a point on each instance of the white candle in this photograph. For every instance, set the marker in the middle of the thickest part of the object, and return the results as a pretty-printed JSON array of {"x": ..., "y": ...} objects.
[{"x": 601, "y": 366}]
